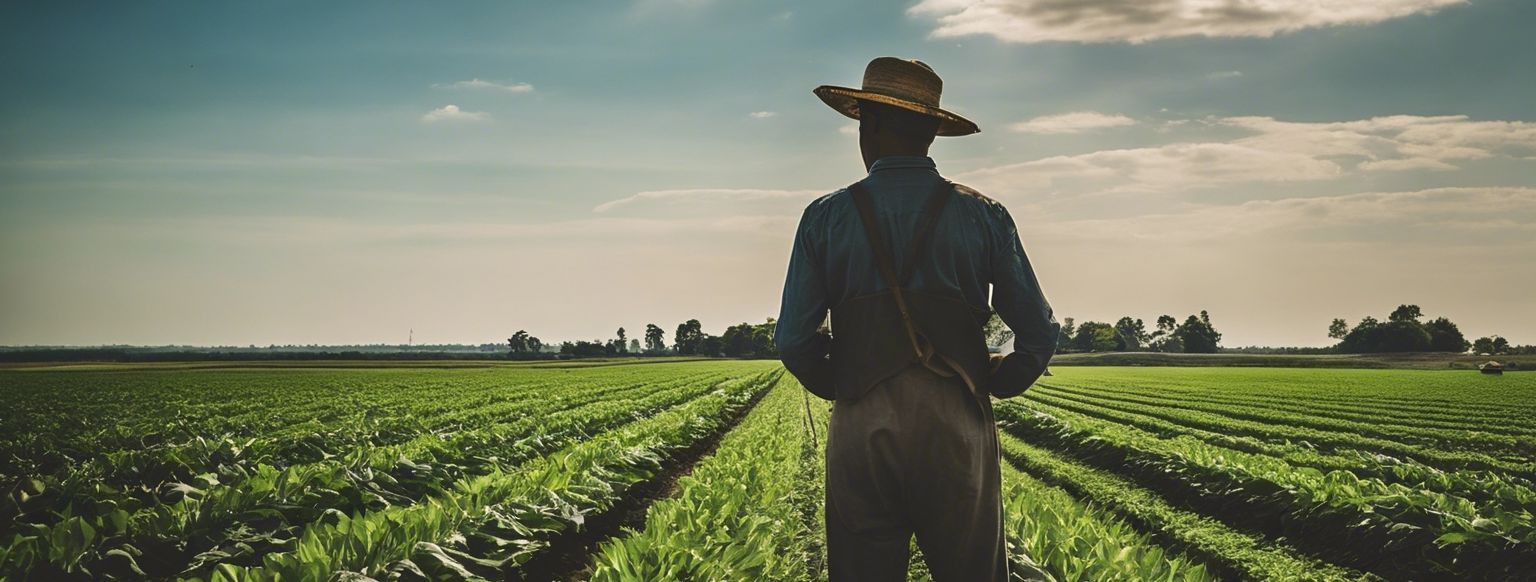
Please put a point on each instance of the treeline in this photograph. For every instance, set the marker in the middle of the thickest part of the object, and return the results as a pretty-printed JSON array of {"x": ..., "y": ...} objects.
[
  {"x": 1403, "y": 332},
  {"x": 1196, "y": 335},
  {"x": 1498, "y": 346},
  {"x": 743, "y": 340}
]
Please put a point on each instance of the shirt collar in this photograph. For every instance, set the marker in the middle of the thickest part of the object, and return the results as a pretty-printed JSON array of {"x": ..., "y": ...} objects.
[{"x": 898, "y": 162}]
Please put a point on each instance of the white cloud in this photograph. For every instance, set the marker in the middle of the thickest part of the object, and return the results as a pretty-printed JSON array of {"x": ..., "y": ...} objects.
[
  {"x": 1027, "y": 21},
  {"x": 1435, "y": 216},
  {"x": 1156, "y": 169},
  {"x": 699, "y": 194},
  {"x": 1075, "y": 122},
  {"x": 487, "y": 85},
  {"x": 1224, "y": 75},
  {"x": 762, "y": 114},
  {"x": 849, "y": 129},
  {"x": 1398, "y": 142},
  {"x": 1272, "y": 151},
  {"x": 452, "y": 113}
]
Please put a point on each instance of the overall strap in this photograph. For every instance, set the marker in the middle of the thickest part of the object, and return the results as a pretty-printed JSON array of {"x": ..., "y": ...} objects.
[
  {"x": 928, "y": 221},
  {"x": 883, "y": 260}
]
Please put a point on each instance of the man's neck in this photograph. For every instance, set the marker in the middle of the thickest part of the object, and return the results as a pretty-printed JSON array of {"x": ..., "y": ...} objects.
[{"x": 871, "y": 157}]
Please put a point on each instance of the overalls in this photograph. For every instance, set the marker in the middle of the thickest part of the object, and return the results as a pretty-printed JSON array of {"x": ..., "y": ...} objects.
[{"x": 912, "y": 447}]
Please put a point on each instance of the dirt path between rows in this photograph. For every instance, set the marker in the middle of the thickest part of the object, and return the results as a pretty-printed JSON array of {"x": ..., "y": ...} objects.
[{"x": 569, "y": 555}]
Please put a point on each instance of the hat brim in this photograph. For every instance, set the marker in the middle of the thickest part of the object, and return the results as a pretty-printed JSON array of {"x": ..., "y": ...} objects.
[{"x": 846, "y": 101}]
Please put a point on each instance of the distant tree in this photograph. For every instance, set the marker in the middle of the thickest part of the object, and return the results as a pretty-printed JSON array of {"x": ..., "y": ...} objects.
[
  {"x": 1067, "y": 335},
  {"x": 584, "y": 349},
  {"x": 1130, "y": 334},
  {"x": 1161, "y": 339},
  {"x": 762, "y": 339},
  {"x": 1444, "y": 336},
  {"x": 737, "y": 340},
  {"x": 1483, "y": 345},
  {"x": 1526, "y": 350},
  {"x": 709, "y": 345},
  {"x": 1402, "y": 332},
  {"x": 1338, "y": 329},
  {"x": 634, "y": 346},
  {"x": 521, "y": 342},
  {"x": 622, "y": 344},
  {"x": 1372, "y": 336},
  {"x": 655, "y": 338},
  {"x": 762, "y": 343},
  {"x": 1197, "y": 335},
  {"x": 996, "y": 332},
  {"x": 1406, "y": 313},
  {"x": 1170, "y": 343},
  {"x": 745, "y": 340},
  {"x": 1093, "y": 336},
  {"x": 689, "y": 335},
  {"x": 1492, "y": 345}
]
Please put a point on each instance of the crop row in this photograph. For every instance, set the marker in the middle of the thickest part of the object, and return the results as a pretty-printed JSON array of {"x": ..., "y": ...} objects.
[
  {"x": 192, "y": 526},
  {"x": 174, "y": 450},
  {"x": 1477, "y": 401},
  {"x": 1232, "y": 553},
  {"x": 1278, "y": 430},
  {"x": 55, "y": 427},
  {"x": 1500, "y": 421},
  {"x": 1508, "y": 492},
  {"x": 493, "y": 524},
  {"x": 1426, "y": 439},
  {"x": 1379, "y": 527},
  {"x": 1053, "y": 535},
  {"x": 739, "y": 515},
  {"x": 373, "y": 473}
]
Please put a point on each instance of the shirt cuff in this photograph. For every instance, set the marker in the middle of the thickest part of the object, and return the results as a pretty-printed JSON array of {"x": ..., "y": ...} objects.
[{"x": 1017, "y": 373}]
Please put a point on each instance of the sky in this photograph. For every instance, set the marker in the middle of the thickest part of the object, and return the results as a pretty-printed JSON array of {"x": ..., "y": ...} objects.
[{"x": 355, "y": 172}]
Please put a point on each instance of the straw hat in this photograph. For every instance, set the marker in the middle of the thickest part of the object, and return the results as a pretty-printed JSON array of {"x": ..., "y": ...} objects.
[{"x": 908, "y": 84}]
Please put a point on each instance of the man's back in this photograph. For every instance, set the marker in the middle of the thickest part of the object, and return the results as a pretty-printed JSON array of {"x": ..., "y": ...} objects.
[
  {"x": 973, "y": 254},
  {"x": 957, "y": 255}
]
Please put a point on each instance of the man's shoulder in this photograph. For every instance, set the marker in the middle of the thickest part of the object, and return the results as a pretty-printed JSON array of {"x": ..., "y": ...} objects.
[
  {"x": 975, "y": 198},
  {"x": 826, "y": 201}
]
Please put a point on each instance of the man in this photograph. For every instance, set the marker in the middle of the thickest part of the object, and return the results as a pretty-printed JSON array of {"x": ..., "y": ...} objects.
[{"x": 903, "y": 260}]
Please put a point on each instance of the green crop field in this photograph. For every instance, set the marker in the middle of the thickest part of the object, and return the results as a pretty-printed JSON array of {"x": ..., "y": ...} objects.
[{"x": 711, "y": 470}]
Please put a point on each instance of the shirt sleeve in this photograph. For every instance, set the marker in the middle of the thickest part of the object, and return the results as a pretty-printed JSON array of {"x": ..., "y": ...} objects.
[
  {"x": 802, "y": 347},
  {"x": 1020, "y": 303}
]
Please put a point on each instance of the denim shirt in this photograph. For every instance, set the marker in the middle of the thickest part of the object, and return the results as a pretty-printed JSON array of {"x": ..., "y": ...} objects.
[{"x": 974, "y": 246}]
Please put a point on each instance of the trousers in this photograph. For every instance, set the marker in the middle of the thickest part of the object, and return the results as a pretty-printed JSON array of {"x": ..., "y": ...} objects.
[{"x": 916, "y": 455}]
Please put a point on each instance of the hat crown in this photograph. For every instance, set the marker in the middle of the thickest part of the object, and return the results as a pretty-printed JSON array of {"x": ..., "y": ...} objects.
[{"x": 912, "y": 80}]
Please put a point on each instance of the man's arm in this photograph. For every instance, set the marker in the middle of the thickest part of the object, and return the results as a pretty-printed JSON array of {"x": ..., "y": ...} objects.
[
  {"x": 1018, "y": 300},
  {"x": 801, "y": 347}
]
